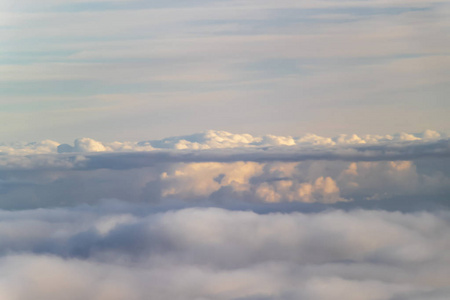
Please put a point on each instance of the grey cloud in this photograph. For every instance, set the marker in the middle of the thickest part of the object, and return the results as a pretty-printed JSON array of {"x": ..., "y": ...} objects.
[{"x": 406, "y": 151}]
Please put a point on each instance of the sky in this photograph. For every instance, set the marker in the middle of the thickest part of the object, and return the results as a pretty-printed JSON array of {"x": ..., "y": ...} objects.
[
  {"x": 224, "y": 150},
  {"x": 137, "y": 70}
]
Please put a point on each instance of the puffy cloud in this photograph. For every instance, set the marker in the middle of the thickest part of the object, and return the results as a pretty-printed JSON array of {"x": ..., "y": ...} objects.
[
  {"x": 349, "y": 139},
  {"x": 212, "y": 139},
  {"x": 231, "y": 168},
  {"x": 117, "y": 251},
  {"x": 314, "y": 139},
  {"x": 202, "y": 179},
  {"x": 407, "y": 137},
  {"x": 42, "y": 147},
  {"x": 323, "y": 190},
  {"x": 90, "y": 145},
  {"x": 278, "y": 234},
  {"x": 430, "y": 135},
  {"x": 222, "y": 139},
  {"x": 261, "y": 182}
]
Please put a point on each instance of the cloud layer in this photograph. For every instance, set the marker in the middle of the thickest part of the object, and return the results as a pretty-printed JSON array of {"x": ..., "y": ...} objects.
[
  {"x": 227, "y": 216},
  {"x": 213, "y": 139},
  {"x": 117, "y": 251},
  {"x": 220, "y": 168}
]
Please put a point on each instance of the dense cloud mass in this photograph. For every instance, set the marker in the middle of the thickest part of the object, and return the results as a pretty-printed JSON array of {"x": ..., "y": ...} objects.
[
  {"x": 219, "y": 167},
  {"x": 117, "y": 251},
  {"x": 224, "y": 216}
]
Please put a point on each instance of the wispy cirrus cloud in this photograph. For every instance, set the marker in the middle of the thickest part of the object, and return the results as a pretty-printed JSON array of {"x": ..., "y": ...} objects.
[{"x": 238, "y": 53}]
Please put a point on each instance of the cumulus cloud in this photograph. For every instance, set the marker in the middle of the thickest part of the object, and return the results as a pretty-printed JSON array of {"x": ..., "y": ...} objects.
[
  {"x": 221, "y": 139},
  {"x": 213, "y": 139},
  {"x": 117, "y": 251},
  {"x": 42, "y": 147},
  {"x": 214, "y": 183},
  {"x": 225, "y": 167}
]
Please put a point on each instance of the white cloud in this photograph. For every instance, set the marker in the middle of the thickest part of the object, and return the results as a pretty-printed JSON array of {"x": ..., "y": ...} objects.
[
  {"x": 212, "y": 139},
  {"x": 220, "y": 254}
]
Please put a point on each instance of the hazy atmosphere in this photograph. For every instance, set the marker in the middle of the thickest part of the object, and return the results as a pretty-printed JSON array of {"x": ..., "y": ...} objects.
[
  {"x": 229, "y": 150},
  {"x": 124, "y": 69}
]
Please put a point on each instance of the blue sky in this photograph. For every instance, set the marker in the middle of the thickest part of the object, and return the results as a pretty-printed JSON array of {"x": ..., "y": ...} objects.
[{"x": 134, "y": 70}]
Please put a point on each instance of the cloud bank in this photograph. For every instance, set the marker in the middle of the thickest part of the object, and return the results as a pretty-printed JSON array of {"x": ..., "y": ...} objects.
[
  {"x": 213, "y": 139},
  {"x": 227, "y": 216},
  {"x": 117, "y": 251},
  {"x": 218, "y": 168}
]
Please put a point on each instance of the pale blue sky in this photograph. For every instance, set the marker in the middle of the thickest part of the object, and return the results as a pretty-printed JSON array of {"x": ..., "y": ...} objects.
[{"x": 137, "y": 70}]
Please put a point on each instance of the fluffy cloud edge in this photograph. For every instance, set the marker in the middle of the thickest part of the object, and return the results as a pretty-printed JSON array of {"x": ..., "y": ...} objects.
[{"x": 214, "y": 139}]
